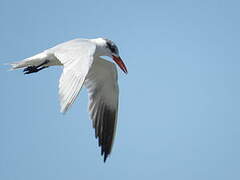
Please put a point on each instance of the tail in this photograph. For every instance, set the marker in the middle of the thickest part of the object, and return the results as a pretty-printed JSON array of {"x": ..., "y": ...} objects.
[
  {"x": 31, "y": 61},
  {"x": 17, "y": 65}
]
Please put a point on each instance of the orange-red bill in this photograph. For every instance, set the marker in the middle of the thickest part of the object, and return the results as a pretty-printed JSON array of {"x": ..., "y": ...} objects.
[{"x": 120, "y": 63}]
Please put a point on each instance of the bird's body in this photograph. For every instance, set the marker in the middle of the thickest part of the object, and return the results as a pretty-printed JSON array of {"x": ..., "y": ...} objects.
[
  {"x": 49, "y": 54},
  {"x": 83, "y": 66}
]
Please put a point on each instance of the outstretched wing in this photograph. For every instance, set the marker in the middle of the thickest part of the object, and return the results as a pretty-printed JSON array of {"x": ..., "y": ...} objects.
[
  {"x": 102, "y": 86},
  {"x": 77, "y": 58}
]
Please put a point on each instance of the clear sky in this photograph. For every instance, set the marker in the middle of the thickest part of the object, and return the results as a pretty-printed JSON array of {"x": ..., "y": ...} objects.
[{"x": 179, "y": 105}]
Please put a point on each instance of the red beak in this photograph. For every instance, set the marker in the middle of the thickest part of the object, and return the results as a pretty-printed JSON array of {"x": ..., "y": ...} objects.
[{"x": 120, "y": 63}]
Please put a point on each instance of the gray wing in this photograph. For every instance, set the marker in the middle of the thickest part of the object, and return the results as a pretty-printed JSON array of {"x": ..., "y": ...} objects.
[
  {"x": 102, "y": 86},
  {"x": 77, "y": 58}
]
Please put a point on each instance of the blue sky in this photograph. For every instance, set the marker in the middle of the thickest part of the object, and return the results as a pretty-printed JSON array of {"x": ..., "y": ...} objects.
[{"x": 179, "y": 104}]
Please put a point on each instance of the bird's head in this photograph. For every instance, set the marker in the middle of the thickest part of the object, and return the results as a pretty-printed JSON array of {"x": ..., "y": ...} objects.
[{"x": 112, "y": 51}]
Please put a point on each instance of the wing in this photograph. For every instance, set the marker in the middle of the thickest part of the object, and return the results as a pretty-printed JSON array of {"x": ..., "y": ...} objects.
[
  {"x": 77, "y": 58},
  {"x": 102, "y": 86}
]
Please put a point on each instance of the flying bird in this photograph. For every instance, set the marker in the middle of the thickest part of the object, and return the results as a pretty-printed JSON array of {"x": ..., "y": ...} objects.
[{"x": 83, "y": 66}]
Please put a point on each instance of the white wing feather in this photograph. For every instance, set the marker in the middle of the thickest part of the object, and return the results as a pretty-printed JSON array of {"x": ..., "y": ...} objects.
[{"x": 77, "y": 58}]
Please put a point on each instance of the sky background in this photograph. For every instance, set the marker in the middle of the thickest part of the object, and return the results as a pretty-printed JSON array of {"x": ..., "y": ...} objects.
[{"x": 179, "y": 105}]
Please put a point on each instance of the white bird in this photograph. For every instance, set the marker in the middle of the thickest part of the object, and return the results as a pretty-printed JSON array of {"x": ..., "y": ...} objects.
[{"x": 84, "y": 66}]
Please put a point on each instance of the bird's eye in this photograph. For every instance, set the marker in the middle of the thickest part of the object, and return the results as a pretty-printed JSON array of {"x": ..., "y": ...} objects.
[{"x": 112, "y": 48}]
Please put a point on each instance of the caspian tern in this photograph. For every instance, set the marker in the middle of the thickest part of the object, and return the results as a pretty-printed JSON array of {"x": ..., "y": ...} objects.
[{"x": 84, "y": 66}]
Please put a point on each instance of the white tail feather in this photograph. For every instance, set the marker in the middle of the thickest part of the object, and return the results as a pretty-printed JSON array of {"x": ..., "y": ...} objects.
[{"x": 31, "y": 61}]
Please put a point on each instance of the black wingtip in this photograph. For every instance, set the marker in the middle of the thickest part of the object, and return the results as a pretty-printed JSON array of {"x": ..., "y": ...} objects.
[
  {"x": 104, "y": 129},
  {"x": 105, "y": 158}
]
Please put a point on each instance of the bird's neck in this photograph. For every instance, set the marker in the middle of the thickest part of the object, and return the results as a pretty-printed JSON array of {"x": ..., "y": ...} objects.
[{"x": 100, "y": 47}]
